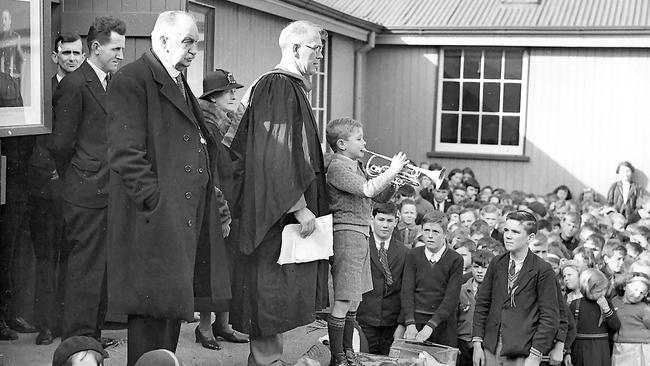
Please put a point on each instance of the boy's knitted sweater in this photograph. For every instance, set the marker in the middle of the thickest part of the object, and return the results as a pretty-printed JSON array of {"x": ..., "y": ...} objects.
[{"x": 635, "y": 321}]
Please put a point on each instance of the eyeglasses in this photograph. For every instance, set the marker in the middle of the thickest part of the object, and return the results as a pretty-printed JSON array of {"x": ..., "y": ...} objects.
[{"x": 317, "y": 49}]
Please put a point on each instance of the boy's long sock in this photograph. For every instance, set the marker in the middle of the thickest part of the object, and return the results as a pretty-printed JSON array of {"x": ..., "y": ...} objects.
[
  {"x": 348, "y": 330},
  {"x": 335, "y": 330}
]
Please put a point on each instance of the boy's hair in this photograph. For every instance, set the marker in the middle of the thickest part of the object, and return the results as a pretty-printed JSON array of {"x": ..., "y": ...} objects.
[
  {"x": 406, "y": 191},
  {"x": 459, "y": 232},
  {"x": 625, "y": 163},
  {"x": 467, "y": 243},
  {"x": 491, "y": 244},
  {"x": 613, "y": 246},
  {"x": 544, "y": 224},
  {"x": 406, "y": 201},
  {"x": 481, "y": 227},
  {"x": 102, "y": 28},
  {"x": 454, "y": 172},
  {"x": 65, "y": 37},
  {"x": 617, "y": 217},
  {"x": 460, "y": 187},
  {"x": 574, "y": 217},
  {"x": 468, "y": 170},
  {"x": 454, "y": 209},
  {"x": 488, "y": 209},
  {"x": 99, "y": 358},
  {"x": 385, "y": 208},
  {"x": 340, "y": 129},
  {"x": 466, "y": 210},
  {"x": 634, "y": 247},
  {"x": 598, "y": 240},
  {"x": 526, "y": 219},
  {"x": 436, "y": 217},
  {"x": 540, "y": 240},
  {"x": 636, "y": 229},
  {"x": 471, "y": 182},
  {"x": 592, "y": 280},
  {"x": 482, "y": 257}
]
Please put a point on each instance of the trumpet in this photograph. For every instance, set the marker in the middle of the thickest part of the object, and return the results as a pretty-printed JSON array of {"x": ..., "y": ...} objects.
[{"x": 408, "y": 175}]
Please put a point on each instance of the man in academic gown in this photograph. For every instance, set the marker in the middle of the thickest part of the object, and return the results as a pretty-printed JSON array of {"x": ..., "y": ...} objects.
[{"x": 281, "y": 181}]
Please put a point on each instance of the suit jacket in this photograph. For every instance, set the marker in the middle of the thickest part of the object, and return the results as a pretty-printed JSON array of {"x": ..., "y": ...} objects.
[
  {"x": 382, "y": 305},
  {"x": 161, "y": 181},
  {"x": 78, "y": 142},
  {"x": 527, "y": 318}
]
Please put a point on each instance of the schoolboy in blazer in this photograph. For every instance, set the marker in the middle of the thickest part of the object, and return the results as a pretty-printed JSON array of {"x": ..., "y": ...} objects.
[
  {"x": 378, "y": 312},
  {"x": 517, "y": 311}
]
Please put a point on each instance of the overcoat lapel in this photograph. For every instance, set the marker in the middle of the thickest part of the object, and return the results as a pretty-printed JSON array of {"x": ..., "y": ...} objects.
[
  {"x": 94, "y": 85},
  {"x": 168, "y": 87},
  {"x": 526, "y": 272},
  {"x": 392, "y": 251}
]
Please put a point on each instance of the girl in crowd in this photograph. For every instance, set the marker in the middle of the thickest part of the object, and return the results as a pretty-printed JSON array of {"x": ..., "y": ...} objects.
[{"x": 632, "y": 341}]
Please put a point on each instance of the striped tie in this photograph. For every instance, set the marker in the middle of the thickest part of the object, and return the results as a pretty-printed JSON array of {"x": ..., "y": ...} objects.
[
  {"x": 512, "y": 275},
  {"x": 383, "y": 259}
]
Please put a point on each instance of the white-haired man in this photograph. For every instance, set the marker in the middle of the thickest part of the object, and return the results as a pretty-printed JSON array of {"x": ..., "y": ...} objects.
[
  {"x": 164, "y": 202},
  {"x": 283, "y": 183}
]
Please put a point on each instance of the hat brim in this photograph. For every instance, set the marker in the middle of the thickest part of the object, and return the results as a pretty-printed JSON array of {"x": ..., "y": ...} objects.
[{"x": 229, "y": 87}]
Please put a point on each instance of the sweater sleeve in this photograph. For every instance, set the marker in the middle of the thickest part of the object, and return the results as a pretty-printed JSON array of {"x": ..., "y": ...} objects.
[
  {"x": 449, "y": 303},
  {"x": 408, "y": 288},
  {"x": 611, "y": 319}
]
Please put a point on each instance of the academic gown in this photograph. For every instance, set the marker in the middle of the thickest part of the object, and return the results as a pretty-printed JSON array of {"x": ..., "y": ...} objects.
[{"x": 280, "y": 159}]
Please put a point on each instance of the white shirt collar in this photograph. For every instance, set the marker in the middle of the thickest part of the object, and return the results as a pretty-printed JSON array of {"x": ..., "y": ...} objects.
[
  {"x": 59, "y": 77},
  {"x": 435, "y": 257},
  {"x": 518, "y": 263},
  {"x": 171, "y": 70},
  {"x": 378, "y": 242},
  {"x": 100, "y": 73}
]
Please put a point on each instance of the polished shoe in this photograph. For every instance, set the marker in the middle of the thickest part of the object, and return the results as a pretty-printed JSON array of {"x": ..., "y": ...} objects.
[
  {"x": 20, "y": 325},
  {"x": 6, "y": 333},
  {"x": 352, "y": 358},
  {"x": 107, "y": 342},
  {"x": 205, "y": 341},
  {"x": 44, "y": 338},
  {"x": 232, "y": 336},
  {"x": 338, "y": 359}
]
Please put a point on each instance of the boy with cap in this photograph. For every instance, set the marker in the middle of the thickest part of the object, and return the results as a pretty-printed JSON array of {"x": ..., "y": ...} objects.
[
  {"x": 79, "y": 351},
  {"x": 159, "y": 357}
]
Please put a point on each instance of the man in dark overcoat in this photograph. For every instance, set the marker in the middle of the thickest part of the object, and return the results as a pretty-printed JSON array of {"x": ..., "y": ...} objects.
[
  {"x": 80, "y": 152},
  {"x": 164, "y": 204},
  {"x": 283, "y": 183}
]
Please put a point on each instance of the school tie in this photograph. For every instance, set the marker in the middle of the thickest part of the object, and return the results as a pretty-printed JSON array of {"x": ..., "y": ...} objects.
[
  {"x": 512, "y": 275},
  {"x": 383, "y": 259},
  {"x": 181, "y": 86}
]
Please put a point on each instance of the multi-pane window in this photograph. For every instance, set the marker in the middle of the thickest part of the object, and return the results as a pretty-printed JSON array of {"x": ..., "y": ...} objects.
[
  {"x": 481, "y": 101},
  {"x": 203, "y": 60},
  {"x": 318, "y": 95}
]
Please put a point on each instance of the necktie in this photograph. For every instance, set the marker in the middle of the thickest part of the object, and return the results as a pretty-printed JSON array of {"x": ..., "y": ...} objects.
[
  {"x": 181, "y": 86},
  {"x": 406, "y": 236},
  {"x": 512, "y": 275},
  {"x": 107, "y": 78},
  {"x": 383, "y": 259}
]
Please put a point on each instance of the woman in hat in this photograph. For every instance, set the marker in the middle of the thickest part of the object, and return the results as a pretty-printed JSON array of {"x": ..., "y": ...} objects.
[{"x": 219, "y": 104}]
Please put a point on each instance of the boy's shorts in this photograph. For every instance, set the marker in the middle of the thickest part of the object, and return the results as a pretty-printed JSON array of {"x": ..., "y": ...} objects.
[{"x": 351, "y": 274}]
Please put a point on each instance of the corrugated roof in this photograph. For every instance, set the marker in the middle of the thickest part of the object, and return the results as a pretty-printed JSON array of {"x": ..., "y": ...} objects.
[{"x": 498, "y": 14}]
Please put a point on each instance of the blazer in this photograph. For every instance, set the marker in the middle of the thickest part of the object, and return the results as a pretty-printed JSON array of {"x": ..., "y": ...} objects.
[
  {"x": 615, "y": 198},
  {"x": 78, "y": 141},
  {"x": 527, "y": 319},
  {"x": 382, "y": 305}
]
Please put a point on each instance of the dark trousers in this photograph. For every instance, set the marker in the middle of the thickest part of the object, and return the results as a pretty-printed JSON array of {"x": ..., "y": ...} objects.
[
  {"x": 85, "y": 293},
  {"x": 12, "y": 227},
  {"x": 466, "y": 353},
  {"x": 266, "y": 350},
  {"x": 46, "y": 230},
  {"x": 147, "y": 334},
  {"x": 379, "y": 338}
]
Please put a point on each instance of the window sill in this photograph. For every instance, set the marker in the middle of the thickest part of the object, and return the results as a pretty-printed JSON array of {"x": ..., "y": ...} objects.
[{"x": 448, "y": 155}]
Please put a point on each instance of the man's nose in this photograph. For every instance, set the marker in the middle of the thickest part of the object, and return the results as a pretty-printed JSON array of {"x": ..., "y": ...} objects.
[{"x": 120, "y": 54}]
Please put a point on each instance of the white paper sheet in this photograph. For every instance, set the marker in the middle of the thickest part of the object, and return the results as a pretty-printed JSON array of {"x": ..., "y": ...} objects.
[{"x": 318, "y": 245}]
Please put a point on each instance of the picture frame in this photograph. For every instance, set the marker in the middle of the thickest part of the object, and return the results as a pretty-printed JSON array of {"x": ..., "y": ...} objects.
[{"x": 25, "y": 92}]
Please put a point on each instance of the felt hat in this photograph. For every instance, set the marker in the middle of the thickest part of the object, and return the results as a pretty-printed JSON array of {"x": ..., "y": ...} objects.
[
  {"x": 159, "y": 357},
  {"x": 218, "y": 80},
  {"x": 75, "y": 344}
]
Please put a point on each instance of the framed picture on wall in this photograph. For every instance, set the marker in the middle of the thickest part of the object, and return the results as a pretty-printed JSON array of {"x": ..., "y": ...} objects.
[{"x": 23, "y": 92}]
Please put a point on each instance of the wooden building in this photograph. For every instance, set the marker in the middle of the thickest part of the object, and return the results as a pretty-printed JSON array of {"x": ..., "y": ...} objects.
[{"x": 528, "y": 93}]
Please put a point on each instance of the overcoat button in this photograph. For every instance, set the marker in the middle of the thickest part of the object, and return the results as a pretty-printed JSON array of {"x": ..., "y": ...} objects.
[
  {"x": 188, "y": 168},
  {"x": 188, "y": 195},
  {"x": 186, "y": 138},
  {"x": 201, "y": 170},
  {"x": 189, "y": 223}
]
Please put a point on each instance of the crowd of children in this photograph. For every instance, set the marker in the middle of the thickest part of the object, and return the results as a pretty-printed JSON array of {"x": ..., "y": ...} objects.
[{"x": 590, "y": 261}]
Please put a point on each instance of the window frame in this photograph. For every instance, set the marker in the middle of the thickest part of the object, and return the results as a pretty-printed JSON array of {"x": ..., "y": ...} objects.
[
  {"x": 208, "y": 40},
  {"x": 482, "y": 149},
  {"x": 323, "y": 74}
]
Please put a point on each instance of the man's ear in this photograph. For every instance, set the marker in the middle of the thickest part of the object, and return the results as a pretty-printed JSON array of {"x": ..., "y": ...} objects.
[
  {"x": 54, "y": 57},
  {"x": 295, "y": 50},
  {"x": 340, "y": 145}
]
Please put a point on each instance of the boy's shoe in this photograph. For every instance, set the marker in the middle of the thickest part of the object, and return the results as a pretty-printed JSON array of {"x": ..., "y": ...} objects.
[
  {"x": 6, "y": 333},
  {"x": 339, "y": 359},
  {"x": 351, "y": 358}
]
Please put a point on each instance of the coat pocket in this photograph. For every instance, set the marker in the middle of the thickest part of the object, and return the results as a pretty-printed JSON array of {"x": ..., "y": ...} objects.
[{"x": 86, "y": 167}]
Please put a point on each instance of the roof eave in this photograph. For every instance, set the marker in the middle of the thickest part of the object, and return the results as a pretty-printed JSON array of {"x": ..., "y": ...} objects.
[
  {"x": 336, "y": 14},
  {"x": 519, "y": 31}
]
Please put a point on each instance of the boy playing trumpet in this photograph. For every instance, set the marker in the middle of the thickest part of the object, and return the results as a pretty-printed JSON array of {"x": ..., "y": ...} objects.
[{"x": 350, "y": 194}]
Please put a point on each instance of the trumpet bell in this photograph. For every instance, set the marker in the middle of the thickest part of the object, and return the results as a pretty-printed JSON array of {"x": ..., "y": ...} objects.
[{"x": 436, "y": 176}]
